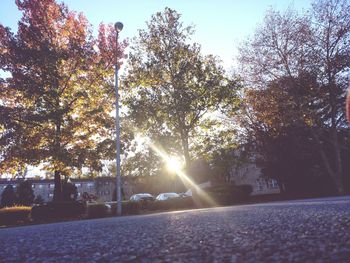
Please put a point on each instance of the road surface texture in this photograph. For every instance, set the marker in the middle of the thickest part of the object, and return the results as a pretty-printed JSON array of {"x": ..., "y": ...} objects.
[{"x": 314, "y": 230}]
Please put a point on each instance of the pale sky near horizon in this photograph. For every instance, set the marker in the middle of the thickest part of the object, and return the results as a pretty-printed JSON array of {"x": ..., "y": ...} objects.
[{"x": 220, "y": 24}]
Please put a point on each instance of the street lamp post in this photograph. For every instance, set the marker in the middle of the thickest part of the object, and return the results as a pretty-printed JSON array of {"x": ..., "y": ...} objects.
[{"x": 118, "y": 27}]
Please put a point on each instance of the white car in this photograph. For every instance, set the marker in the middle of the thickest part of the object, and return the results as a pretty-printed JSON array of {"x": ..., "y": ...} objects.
[
  {"x": 142, "y": 197},
  {"x": 167, "y": 196}
]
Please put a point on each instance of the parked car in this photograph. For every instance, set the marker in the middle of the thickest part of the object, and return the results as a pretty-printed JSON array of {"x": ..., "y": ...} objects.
[
  {"x": 167, "y": 196},
  {"x": 108, "y": 208},
  {"x": 142, "y": 197},
  {"x": 183, "y": 195}
]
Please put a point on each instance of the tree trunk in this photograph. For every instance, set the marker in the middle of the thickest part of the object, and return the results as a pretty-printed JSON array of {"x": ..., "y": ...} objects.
[
  {"x": 185, "y": 148},
  {"x": 281, "y": 186},
  {"x": 57, "y": 193},
  {"x": 338, "y": 180},
  {"x": 338, "y": 173},
  {"x": 338, "y": 166},
  {"x": 335, "y": 174}
]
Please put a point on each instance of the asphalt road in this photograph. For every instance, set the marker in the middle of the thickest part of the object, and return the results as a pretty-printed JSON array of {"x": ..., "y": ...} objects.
[{"x": 314, "y": 230}]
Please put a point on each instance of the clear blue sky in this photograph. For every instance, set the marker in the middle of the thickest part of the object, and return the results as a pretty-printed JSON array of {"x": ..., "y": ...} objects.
[{"x": 220, "y": 24}]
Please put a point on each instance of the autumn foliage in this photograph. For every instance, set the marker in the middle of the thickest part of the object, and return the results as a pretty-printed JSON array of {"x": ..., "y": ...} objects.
[{"x": 56, "y": 103}]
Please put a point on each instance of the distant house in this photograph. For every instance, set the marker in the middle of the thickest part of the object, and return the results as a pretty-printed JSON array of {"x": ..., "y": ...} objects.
[
  {"x": 248, "y": 172},
  {"x": 101, "y": 187}
]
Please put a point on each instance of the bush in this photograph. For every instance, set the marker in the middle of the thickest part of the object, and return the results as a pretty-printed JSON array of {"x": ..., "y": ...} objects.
[
  {"x": 14, "y": 215},
  {"x": 25, "y": 193},
  {"x": 97, "y": 210},
  {"x": 134, "y": 208},
  {"x": 131, "y": 207},
  {"x": 128, "y": 208},
  {"x": 8, "y": 197},
  {"x": 38, "y": 200},
  {"x": 69, "y": 192},
  {"x": 246, "y": 189},
  {"x": 223, "y": 195},
  {"x": 57, "y": 210}
]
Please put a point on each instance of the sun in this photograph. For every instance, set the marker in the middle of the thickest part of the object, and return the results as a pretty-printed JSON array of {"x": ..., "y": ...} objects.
[{"x": 173, "y": 164}]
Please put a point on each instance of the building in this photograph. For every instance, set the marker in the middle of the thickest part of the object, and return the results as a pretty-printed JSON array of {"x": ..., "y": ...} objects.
[
  {"x": 100, "y": 187},
  {"x": 248, "y": 172}
]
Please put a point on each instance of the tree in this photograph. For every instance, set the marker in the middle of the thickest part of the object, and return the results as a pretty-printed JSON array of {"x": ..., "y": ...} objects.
[
  {"x": 138, "y": 161},
  {"x": 170, "y": 87},
  {"x": 25, "y": 193},
  {"x": 38, "y": 200},
  {"x": 143, "y": 163},
  {"x": 308, "y": 57},
  {"x": 114, "y": 196},
  {"x": 200, "y": 171},
  {"x": 8, "y": 196},
  {"x": 69, "y": 191},
  {"x": 225, "y": 160},
  {"x": 55, "y": 106},
  {"x": 276, "y": 126},
  {"x": 291, "y": 158}
]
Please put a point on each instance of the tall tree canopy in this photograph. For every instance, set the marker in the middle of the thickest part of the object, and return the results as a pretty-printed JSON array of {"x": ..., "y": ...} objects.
[
  {"x": 171, "y": 87},
  {"x": 55, "y": 105},
  {"x": 302, "y": 62}
]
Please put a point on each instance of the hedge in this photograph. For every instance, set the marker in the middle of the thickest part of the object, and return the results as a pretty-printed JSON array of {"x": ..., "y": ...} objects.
[
  {"x": 128, "y": 207},
  {"x": 15, "y": 215},
  {"x": 222, "y": 195},
  {"x": 97, "y": 210},
  {"x": 58, "y": 210}
]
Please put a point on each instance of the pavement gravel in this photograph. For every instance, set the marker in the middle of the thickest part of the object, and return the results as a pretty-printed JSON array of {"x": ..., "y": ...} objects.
[{"x": 313, "y": 230}]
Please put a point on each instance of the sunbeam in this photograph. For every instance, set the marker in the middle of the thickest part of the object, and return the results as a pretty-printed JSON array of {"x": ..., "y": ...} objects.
[
  {"x": 176, "y": 168},
  {"x": 185, "y": 178}
]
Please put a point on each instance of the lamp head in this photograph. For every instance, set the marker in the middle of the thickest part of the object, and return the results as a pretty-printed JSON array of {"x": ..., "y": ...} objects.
[{"x": 118, "y": 26}]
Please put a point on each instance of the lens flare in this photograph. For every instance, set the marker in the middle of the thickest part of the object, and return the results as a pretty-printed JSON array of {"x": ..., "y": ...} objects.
[
  {"x": 185, "y": 178},
  {"x": 176, "y": 168},
  {"x": 173, "y": 164}
]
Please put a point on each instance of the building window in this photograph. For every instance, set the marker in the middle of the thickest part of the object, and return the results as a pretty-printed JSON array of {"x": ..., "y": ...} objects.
[
  {"x": 33, "y": 186},
  {"x": 78, "y": 184},
  {"x": 271, "y": 184},
  {"x": 274, "y": 183},
  {"x": 50, "y": 195},
  {"x": 90, "y": 185},
  {"x": 40, "y": 186},
  {"x": 51, "y": 186},
  {"x": 260, "y": 185}
]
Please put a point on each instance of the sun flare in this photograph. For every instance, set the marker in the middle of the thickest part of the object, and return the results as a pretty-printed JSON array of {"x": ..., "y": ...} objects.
[
  {"x": 186, "y": 179},
  {"x": 173, "y": 164}
]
